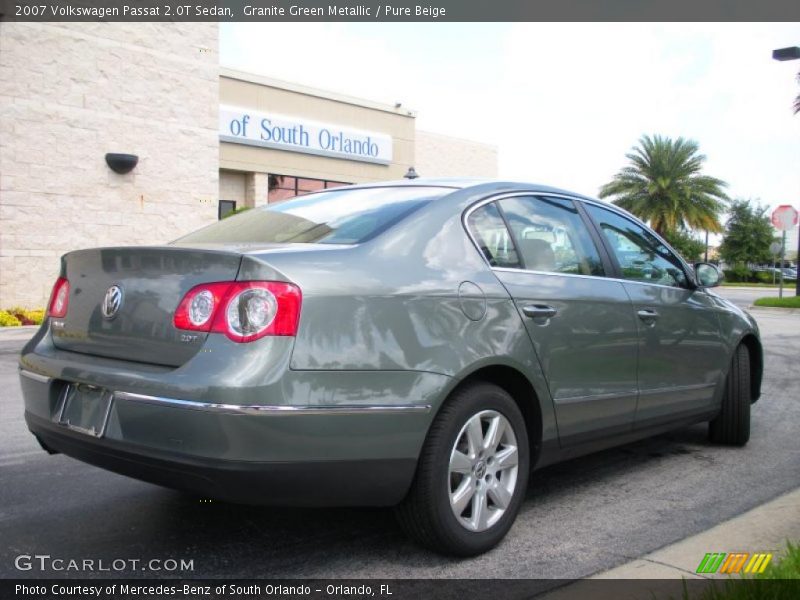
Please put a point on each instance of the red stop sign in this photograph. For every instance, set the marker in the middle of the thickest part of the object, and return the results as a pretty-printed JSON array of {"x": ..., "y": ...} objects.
[{"x": 784, "y": 217}]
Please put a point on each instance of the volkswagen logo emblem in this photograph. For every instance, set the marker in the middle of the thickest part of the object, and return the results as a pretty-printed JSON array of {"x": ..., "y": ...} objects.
[{"x": 112, "y": 302}]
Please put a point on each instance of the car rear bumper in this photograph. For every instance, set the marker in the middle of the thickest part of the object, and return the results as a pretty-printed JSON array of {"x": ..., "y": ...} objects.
[
  {"x": 298, "y": 455},
  {"x": 365, "y": 482}
]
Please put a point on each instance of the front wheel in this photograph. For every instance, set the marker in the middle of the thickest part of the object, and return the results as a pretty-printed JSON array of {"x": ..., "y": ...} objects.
[
  {"x": 472, "y": 474},
  {"x": 732, "y": 426}
]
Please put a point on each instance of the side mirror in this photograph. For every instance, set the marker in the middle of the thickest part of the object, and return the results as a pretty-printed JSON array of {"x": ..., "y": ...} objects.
[{"x": 707, "y": 275}]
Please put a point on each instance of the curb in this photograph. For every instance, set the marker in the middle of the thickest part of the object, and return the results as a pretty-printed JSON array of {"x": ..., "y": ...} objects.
[
  {"x": 774, "y": 309},
  {"x": 763, "y": 529},
  {"x": 750, "y": 288}
]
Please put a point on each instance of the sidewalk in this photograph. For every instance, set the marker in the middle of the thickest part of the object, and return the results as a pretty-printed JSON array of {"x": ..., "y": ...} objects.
[
  {"x": 24, "y": 332},
  {"x": 774, "y": 309},
  {"x": 765, "y": 528}
]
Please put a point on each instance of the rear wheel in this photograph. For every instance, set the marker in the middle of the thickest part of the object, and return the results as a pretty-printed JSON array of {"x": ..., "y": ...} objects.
[
  {"x": 732, "y": 425},
  {"x": 472, "y": 474}
]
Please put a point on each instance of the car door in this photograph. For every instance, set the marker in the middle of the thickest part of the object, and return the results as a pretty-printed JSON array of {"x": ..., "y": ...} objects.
[
  {"x": 681, "y": 352},
  {"x": 580, "y": 322}
]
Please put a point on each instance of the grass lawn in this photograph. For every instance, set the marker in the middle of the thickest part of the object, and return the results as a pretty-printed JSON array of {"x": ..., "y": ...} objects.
[
  {"x": 785, "y": 302},
  {"x": 787, "y": 567},
  {"x": 781, "y": 580}
]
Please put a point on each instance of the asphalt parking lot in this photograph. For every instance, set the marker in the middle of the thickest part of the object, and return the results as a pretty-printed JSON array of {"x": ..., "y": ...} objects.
[
  {"x": 580, "y": 517},
  {"x": 744, "y": 296}
]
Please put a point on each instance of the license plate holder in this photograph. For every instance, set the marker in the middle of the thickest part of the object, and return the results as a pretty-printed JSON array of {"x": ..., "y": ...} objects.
[{"x": 85, "y": 408}]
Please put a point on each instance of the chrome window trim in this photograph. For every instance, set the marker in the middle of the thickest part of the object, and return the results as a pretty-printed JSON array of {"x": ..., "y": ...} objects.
[
  {"x": 35, "y": 376},
  {"x": 516, "y": 194},
  {"x": 272, "y": 410},
  {"x": 622, "y": 213},
  {"x": 618, "y": 280},
  {"x": 688, "y": 272}
]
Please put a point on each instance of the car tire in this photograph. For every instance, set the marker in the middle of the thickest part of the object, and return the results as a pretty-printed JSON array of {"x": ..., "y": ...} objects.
[
  {"x": 452, "y": 468},
  {"x": 732, "y": 425}
]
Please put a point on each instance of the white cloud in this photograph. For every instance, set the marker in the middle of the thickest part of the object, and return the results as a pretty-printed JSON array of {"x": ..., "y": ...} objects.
[{"x": 564, "y": 102}]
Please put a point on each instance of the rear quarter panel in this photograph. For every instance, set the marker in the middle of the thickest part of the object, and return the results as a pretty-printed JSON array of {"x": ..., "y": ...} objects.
[{"x": 397, "y": 303}]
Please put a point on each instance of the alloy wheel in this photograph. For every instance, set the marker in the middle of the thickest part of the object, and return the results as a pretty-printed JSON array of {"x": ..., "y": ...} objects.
[{"x": 483, "y": 470}]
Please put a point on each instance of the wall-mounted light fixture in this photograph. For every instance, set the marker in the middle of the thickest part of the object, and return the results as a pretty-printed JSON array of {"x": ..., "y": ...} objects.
[
  {"x": 411, "y": 173},
  {"x": 790, "y": 53},
  {"x": 121, "y": 163}
]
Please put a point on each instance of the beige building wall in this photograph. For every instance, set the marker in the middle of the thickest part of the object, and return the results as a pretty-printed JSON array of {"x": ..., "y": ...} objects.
[
  {"x": 70, "y": 93},
  {"x": 444, "y": 156},
  {"x": 278, "y": 97},
  {"x": 232, "y": 186}
]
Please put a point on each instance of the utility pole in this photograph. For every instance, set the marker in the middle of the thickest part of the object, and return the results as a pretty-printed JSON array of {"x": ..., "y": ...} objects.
[{"x": 782, "y": 54}]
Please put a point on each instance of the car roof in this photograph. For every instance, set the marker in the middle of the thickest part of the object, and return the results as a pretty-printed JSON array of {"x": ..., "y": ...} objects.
[
  {"x": 487, "y": 186},
  {"x": 466, "y": 182}
]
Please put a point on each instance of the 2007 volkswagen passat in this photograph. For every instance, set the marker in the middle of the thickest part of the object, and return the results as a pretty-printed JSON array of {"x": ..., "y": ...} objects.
[{"x": 422, "y": 344}]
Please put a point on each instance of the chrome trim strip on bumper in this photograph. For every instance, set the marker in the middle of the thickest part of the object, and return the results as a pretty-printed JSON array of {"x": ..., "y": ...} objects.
[
  {"x": 273, "y": 410},
  {"x": 35, "y": 376}
]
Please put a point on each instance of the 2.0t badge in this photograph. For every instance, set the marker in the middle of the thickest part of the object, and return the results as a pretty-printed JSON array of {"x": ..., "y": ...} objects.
[{"x": 112, "y": 302}]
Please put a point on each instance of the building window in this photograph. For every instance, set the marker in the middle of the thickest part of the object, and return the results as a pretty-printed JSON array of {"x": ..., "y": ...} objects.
[
  {"x": 225, "y": 208},
  {"x": 283, "y": 187}
]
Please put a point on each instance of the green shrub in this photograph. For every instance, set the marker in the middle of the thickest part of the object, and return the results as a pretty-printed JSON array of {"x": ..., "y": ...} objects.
[
  {"x": 743, "y": 274},
  {"x": 763, "y": 277},
  {"x": 8, "y": 320},
  {"x": 35, "y": 316},
  {"x": 237, "y": 211},
  {"x": 24, "y": 316}
]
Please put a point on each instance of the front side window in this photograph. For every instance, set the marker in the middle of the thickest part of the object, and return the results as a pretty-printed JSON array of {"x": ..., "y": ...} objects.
[
  {"x": 490, "y": 232},
  {"x": 551, "y": 235},
  {"x": 641, "y": 256}
]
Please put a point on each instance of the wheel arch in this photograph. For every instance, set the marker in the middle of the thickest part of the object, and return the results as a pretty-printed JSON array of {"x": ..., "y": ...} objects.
[
  {"x": 756, "y": 352},
  {"x": 521, "y": 390}
]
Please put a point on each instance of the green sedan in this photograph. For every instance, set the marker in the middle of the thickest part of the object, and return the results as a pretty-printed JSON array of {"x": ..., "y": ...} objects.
[{"x": 418, "y": 344}]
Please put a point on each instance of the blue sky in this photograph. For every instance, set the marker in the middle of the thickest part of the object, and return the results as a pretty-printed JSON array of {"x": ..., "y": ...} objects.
[{"x": 562, "y": 102}]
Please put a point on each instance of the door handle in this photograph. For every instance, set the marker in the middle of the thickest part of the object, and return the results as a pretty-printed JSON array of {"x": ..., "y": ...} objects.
[
  {"x": 539, "y": 311},
  {"x": 647, "y": 314}
]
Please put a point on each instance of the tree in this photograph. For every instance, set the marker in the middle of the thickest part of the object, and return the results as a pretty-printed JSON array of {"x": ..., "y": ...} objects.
[
  {"x": 686, "y": 244},
  {"x": 797, "y": 100},
  {"x": 663, "y": 184},
  {"x": 748, "y": 234}
]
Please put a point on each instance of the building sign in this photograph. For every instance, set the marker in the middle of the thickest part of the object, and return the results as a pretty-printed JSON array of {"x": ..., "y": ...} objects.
[{"x": 245, "y": 126}]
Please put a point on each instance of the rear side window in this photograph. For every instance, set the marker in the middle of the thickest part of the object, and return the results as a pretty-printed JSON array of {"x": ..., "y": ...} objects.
[
  {"x": 490, "y": 232},
  {"x": 551, "y": 236},
  {"x": 339, "y": 216}
]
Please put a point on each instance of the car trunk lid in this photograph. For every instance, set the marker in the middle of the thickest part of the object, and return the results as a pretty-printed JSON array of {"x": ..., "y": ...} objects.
[{"x": 152, "y": 281}]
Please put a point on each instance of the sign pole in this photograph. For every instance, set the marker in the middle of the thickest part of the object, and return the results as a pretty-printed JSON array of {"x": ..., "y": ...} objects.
[
  {"x": 784, "y": 218},
  {"x": 783, "y": 253},
  {"x": 797, "y": 266}
]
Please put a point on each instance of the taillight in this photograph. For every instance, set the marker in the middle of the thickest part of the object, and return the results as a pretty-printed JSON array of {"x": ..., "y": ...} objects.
[
  {"x": 196, "y": 310},
  {"x": 59, "y": 299},
  {"x": 242, "y": 310}
]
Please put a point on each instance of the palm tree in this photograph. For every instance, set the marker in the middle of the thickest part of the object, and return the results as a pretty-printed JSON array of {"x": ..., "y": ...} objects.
[
  {"x": 797, "y": 100},
  {"x": 663, "y": 185}
]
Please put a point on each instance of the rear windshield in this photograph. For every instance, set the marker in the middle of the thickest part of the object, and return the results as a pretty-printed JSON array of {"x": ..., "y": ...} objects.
[{"x": 333, "y": 217}]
